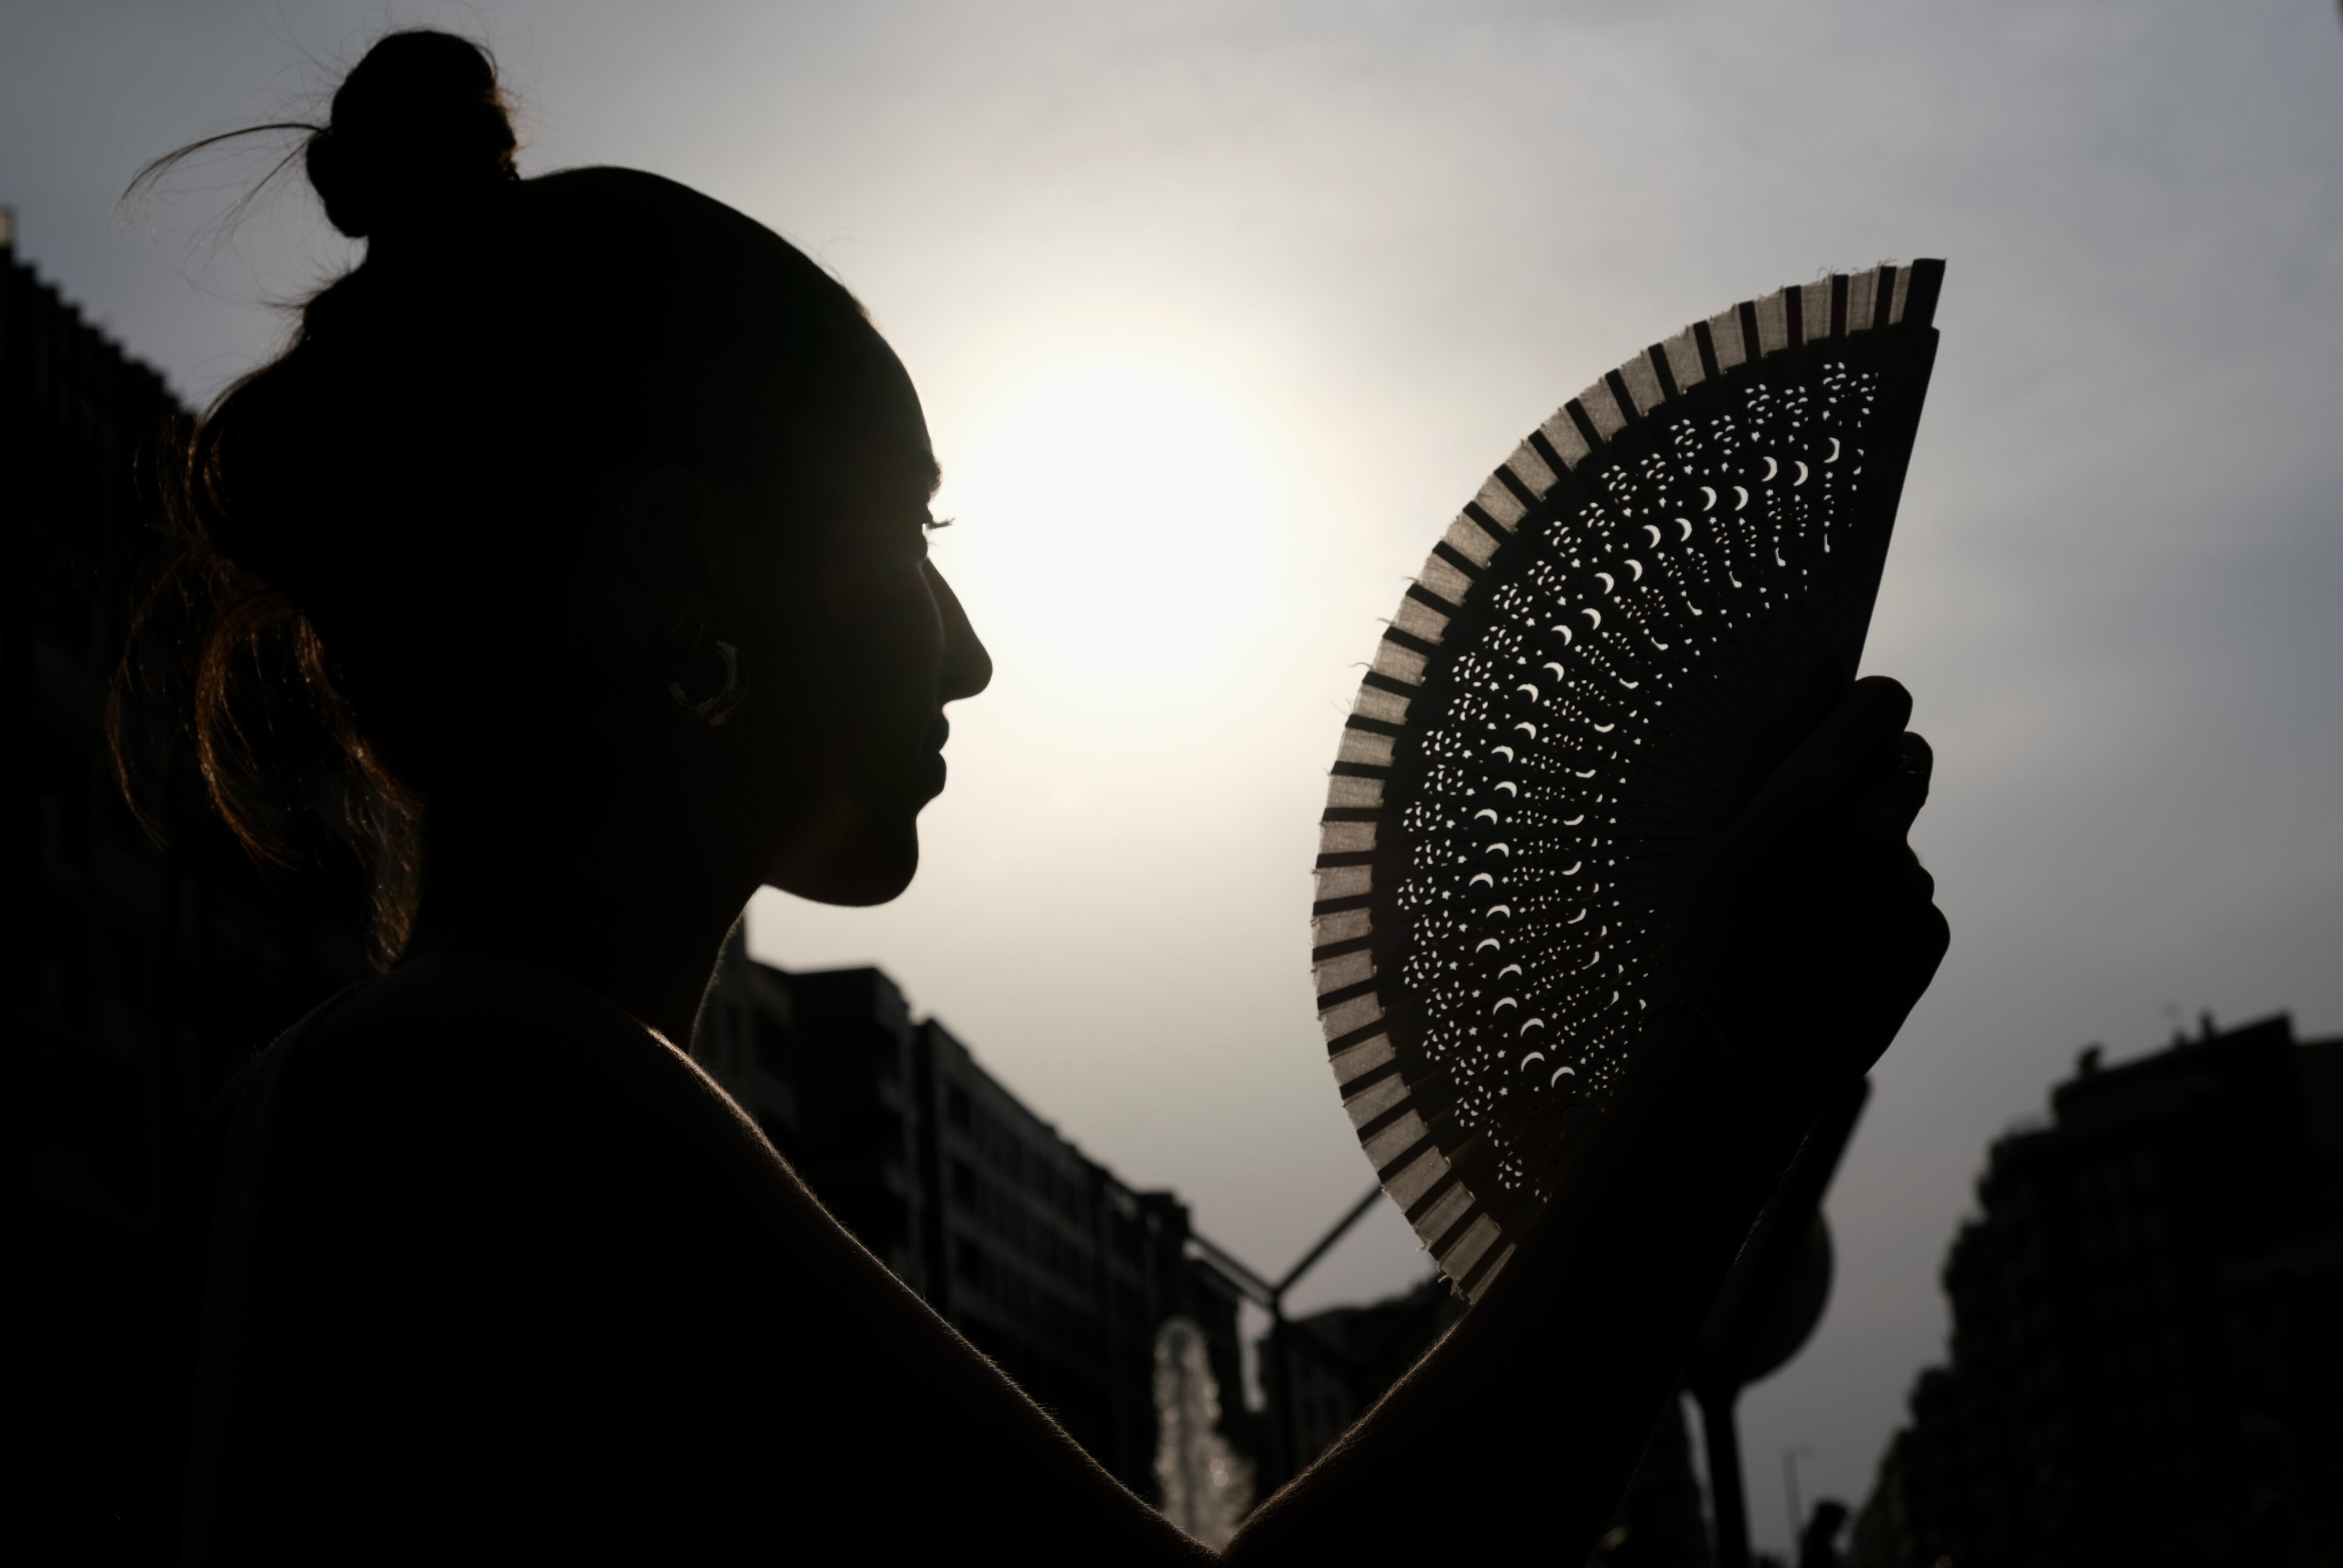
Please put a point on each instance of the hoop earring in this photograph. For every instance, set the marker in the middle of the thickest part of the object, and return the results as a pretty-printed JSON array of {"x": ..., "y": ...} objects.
[{"x": 715, "y": 708}]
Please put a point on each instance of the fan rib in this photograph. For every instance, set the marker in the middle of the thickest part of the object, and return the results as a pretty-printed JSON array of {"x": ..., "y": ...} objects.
[
  {"x": 1377, "y": 704},
  {"x": 1443, "y": 1222},
  {"x": 1354, "y": 1034},
  {"x": 1330, "y": 950},
  {"x": 1465, "y": 566},
  {"x": 1656, "y": 356},
  {"x": 1710, "y": 369},
  {"x": 1362, "y": 746},
  {"x": 1394, "y": 660},
  {"x": 1576, "y": 409},
  {"x": 1629, "y": 414},
  {"x": 1362, "y": 1058},
  {"x": 1435, "y": 1196},
  {"x": 1481, "y": 518},
  {"x": 1420, "y": 619},
  {"x": 1530, "y": 469},
  {"x": 1569, "y": 442},
  {"x": 1396, "y": 1140},
  {"x": 1342, "y": 994},
  {"x": 1370, "y": 1098},
  {"x": 1490, "y": 1267},
  {"x": 1920, "y": 300},
  {"x": 1862, "y": 290},
  {"x": 1340, "y": 931},
  {"x": 1384, "y": 1082},
  {"x": 1500, "y": 506},
  {"x": 1407, "y": 1182},
  {"x": 1566, "y": 495},
  {"x": 1603, "y": 409},
  {"x": 1357, "y": 1013},
  {"x": 1437, "y": 1214},
  {"x": 1426, "y": 1188},
  {"x": 1397, "y": 1126},
  {"x": 1441, "y": 578},
  {"x": 1531, "y": 500},
  {"x": 1475, "y": 541},
  {"x": 1478, "y": 1243},
  {"x": 1724, "y": 335},
  {"x": 1679, "y": 353},
  {"x": 1401, "y": 637},
  {"x": 1433, "y": 601}
]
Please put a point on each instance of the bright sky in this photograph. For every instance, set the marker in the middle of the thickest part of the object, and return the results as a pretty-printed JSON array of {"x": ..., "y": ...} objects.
[{"x": 1220, "y": 311}]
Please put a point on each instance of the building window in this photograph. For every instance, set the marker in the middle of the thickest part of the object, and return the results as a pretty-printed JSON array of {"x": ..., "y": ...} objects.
[{"x": 970, "y": 1264}]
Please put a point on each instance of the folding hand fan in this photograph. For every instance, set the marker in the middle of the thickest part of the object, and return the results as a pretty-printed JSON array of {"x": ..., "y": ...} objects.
[{"x": 1565, "y": 707}]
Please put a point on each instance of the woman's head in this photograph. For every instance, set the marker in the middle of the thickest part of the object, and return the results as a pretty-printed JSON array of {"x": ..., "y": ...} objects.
[{"x": 562, "y": 460}]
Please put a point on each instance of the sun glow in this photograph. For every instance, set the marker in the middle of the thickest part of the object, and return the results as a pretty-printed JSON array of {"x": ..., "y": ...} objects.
[{"x": 1119, "y": 524}]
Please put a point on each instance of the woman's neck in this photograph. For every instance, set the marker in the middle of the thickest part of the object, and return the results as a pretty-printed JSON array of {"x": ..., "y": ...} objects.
[{"x": 632, "y": 904}]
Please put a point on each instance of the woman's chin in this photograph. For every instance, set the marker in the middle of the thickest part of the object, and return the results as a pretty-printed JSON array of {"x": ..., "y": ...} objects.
[{"x": 869, "y": 867}]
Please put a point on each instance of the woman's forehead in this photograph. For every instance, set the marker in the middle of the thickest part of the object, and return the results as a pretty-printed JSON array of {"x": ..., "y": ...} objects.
[{"x": 888, "y": 419}]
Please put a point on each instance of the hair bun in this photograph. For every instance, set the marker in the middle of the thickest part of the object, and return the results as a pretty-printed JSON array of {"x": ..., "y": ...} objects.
[{"x": 418, "y": 128}]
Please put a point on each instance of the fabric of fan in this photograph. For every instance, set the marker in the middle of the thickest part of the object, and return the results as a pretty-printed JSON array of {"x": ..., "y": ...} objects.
[{"x": 1565, "y": 707}]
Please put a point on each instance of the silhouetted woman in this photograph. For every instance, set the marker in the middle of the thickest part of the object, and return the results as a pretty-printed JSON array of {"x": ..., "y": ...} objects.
[{"x": 591, "y": 519}]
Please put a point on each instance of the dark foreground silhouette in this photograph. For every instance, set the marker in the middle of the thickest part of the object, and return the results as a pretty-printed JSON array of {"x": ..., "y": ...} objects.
[{"x": 585, "y": 521}]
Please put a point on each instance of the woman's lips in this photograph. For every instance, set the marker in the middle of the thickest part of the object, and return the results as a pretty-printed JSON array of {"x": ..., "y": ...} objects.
[{"x": 933, "y": 759}]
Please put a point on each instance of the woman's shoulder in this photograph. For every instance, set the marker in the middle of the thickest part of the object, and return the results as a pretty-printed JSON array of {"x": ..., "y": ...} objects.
[
  {"x": 465, "y": 1011},
  {"x": 459, "y": 1037},
  {"x": 450, "y": 1000}
]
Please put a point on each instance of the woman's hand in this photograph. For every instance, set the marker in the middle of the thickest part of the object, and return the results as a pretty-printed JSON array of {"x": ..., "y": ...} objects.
[{"x": 1815, "y": 931}]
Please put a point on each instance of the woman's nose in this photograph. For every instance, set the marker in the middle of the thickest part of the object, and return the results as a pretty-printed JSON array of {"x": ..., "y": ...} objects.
[{"x": 967, "y": 667}]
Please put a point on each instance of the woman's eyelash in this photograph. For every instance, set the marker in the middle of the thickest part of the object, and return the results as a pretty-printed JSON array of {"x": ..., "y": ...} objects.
[{"x": 935, "y": 523}]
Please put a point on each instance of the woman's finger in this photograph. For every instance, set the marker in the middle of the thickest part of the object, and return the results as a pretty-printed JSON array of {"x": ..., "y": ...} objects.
[
  {"x": 1872, "y": 714},
  {"x": 1853, "y": 743},
  {"x": 1903, "y": 790}
]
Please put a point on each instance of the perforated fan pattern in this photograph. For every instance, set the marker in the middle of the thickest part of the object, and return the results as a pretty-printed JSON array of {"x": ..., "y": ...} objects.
[{"x": 1558, "y": 717}]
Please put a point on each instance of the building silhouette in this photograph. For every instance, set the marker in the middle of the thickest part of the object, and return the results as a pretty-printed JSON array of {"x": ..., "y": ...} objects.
[
  {"x": 1046, "y": 1260},
  {"x": 1337, "y": 1362},
  {"x": 1333, "y": 1364},
  {"x": 2147, "y": 1355}
]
